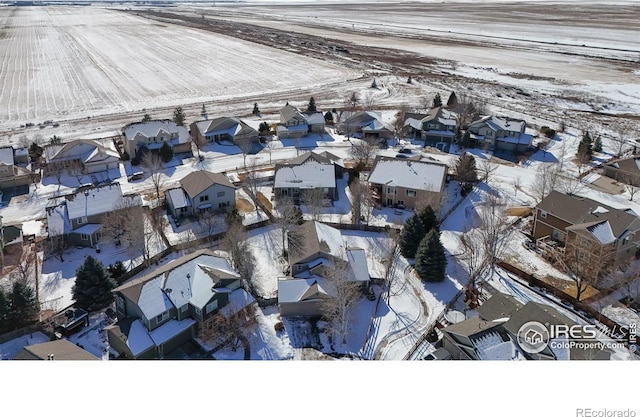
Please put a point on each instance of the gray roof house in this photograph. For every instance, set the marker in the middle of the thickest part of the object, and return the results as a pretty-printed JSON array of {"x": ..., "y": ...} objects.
[
  {"x": 201, "y": 191},
  {"x": 295, "y": 124},
  {"x": 407, "y": 183},
  {"x": 78, "y": 216},
  {"x": 220, "y": 129},
  {"x": 175, "y": 303},
  {"x": 153, "y": 134},
  {"x": 309, "y": 171},
  {"x": 365, "y": 125},
  {"x": 438, "y": 125},
  {"x": 314, "y": 249},
  {"x": 60, "y": 349},
  {"x": 625, "y": 170},
  {"x": 79, "y": 156},
  {"x": 499, "y": 133}
]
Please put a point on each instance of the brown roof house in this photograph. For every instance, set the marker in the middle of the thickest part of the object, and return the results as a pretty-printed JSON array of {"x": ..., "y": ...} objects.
[
  {"x": 314, "y": 250},
  {"x": 626, "y": 170},
  {"x": 365, "y": 125},
  {"x": 201, "y": 191},
  {"x": 310, "y": 171},
  {"x": 590, "y": 236},
  {"x": 438, "y": 125},
  {"x": 59, "y": 350},
  {"x": 407, "y": 183},
  {"x": 220, "y": 129},
  {"x": 500, "y": 332},
  {"x": 175, "y": 303},
  {"x": 295, "y": 124},
  {"x": 501, "y": 134}
]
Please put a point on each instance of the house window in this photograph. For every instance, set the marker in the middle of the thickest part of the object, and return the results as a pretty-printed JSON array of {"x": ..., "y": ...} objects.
[
  {"x": 222, "y": 205},
  {"x": 84, "y": 236},
  {"x": 220, "y": 193},
  {"x": 411, "y": 193},
  {"x": 204, "y": 198},
  {"x": 82, "y": 220},
  {"x": 184, "y": 308},
  {"x": 391, "y": 190},
  {"x": 183, "y": 209},
  {"x": 626, "y": 240},
  {"x": 211, "y": 307},
  {"x": 543, "y": 214},
  {"x": 162, "y": 317}
]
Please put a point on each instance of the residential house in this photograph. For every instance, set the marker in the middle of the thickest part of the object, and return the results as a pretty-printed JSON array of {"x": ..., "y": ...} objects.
[
  {"x": 407, "y": 183},
  {"x": 625, "y": 170},
  {"x": 201, "y": 191},
  {"x": 223, "y": 129},
  {"x": 315, "y": 252},
  {"x": 184, "y": 299},
  {"x": 295, "y": 124},
  {"x": 501, "y": 134},
  {"x": 310, "y": 171},
  {"x": 438, "y": 125},
  {"x": 11, "y": 175},
  {"x": 77, "y": 217},
  {"x": 587, "y": 233},
  {"x": 82, "y": 156},
  {"x": 152, "y": 134},
  {"x": 60, "y": 349},
  {"x": 494, "y": 334},
  {"x": 365, "y": 125}
]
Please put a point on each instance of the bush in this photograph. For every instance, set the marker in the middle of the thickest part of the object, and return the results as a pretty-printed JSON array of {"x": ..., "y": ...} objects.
[
  {"x": 548, "y": 132},
  {"x": 135, "y": 161},
  {"x": 279, "y": 326}
]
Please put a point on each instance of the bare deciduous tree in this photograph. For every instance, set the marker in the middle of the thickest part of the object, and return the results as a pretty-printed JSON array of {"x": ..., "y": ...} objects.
[
  {"x": 152, "y": 162},
  {"x": 545, "y": 181},
  {"x": 352, "y": 100},
  {"x": 369, "y": 101},
  {"x": 313, "y": 199},
  {"x": 398, "y": 123},
  {"x": 210, "y": 223},
  {"x": 337, "y": 309},
  {"x": 629, "y": 181},
  {"x": 361, "y": 201},
  {"x": 245, "y": 144},
  {"x": 569, "y": 185},
  {"x": 236, "y": 243},
  {"x": 363, "y": 151},
  {"x": 487, "y": 167},
  {"x": 287, "y": 217},
  {"x": 619, "y": 139}
]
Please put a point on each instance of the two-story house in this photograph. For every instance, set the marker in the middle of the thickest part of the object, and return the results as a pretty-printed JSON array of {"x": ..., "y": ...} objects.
[
  {"x": 365, "y": 125},
  {"x": 201, "y": 191},
  {"x": 11, "y": 175},
  {"x": 315, "y": 251},
  {"x": 161, "y": 310},
  {"x": 438, "y": 125},
  {"x": 295, "y": 124},
  {"x": 77, "y": 217},
  {"x": 501, "y": 134},
  {"x": 310, "y": 171},
  {"x": 152, "y": 134},
  {"x": 83, "y": 156},
  {"x": 221, "y": 129},
  {"x": 588, "y": 232},
  {"x": 407, "y": 183}
]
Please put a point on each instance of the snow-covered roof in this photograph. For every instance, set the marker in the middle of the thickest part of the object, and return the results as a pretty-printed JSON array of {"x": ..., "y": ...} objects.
[
  {"x": 358, "y": 265},
  {"x": 152, "y": 128},
  {"x": 97, "y": 200},
  {"x": 491, "y": 346},
  {"x": 88, "y": 229},
  {"x": 153, "y": 301},
  {"x": 308, "y": 175},
  {"x": 416, "y": 175},
  {"x": 238, "y": 300},
  {"x": 138, "y": 339},
  {"x": 414, "y": 123},
  {"x": 169, "y": 330},
  {"x": 333, "y": 239},
  {"x": 85, "y": 150},
  {"x": 603, "y": 232},
  {"x": 58, "y": 222},
  {"x": 6, "y": 155},
  {"x": 315, "y": 119},
  {"x": 178, "y": 197},
  {"x": 296, "y": 290},
  {"x": 296, "y": 128},
  {"x": 523, "y": 138}
]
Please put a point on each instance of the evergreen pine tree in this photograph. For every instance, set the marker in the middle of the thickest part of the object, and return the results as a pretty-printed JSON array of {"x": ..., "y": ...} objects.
[
  {"x": 5, "y": 308},
  {"x": 328, "y": 118},
  {"x": 437, "y": 101},
  {"x": 453, "y": 100},
  {"x": 311, "y": 108},
  {"x": 146, "y": 118},
  {"x": 166, "y": 152},
  {"x": 117, "y": 270},
  {"x": 410, "y": 236},
  {"x": 374, "y": 84},
  {"x": 23, "y": 304},
  {"x": 409, "y": 80},
  {"x": 585, "y": 148},
  {"x": 92, "y": 289},
  {"x": 467, "y": 142},
  {"x": 431, "y": 260},
  {"x": 204, "y": 110},
  {"x": 178, "y": 116},
  {"x": 256, "y": 110},
  {"x": 597, "y": 144},
  {"x": 429, "y": 219}
]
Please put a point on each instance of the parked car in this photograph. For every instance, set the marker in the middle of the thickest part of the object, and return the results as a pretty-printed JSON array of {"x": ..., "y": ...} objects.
[{"x": 136, "y": 176}]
